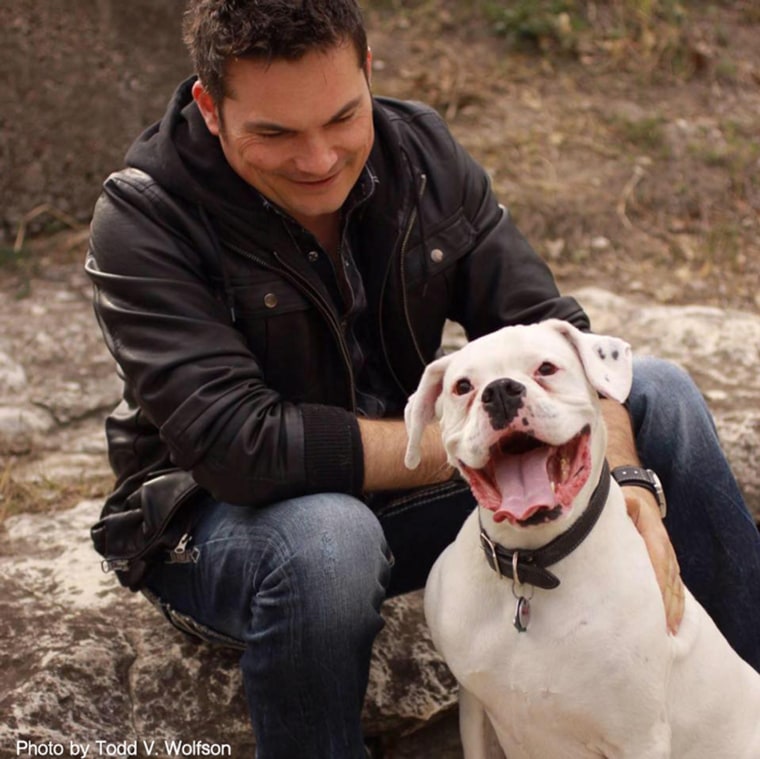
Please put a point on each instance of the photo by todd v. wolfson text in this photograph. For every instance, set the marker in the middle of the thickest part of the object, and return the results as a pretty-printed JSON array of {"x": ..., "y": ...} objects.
[{"x": 120, "y": 749}]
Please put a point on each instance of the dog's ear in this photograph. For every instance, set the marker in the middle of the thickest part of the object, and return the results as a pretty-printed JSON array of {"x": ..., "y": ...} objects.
[
  {"x": 420, "y": 408},
  {"x": 607, "y": 361}
]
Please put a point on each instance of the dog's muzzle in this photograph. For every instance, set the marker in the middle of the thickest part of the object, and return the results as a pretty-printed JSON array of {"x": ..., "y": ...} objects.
[{"x": 528, "y": 481}]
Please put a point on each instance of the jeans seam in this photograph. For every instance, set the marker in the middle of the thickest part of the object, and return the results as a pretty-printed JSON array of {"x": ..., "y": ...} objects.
[{"x": 410, "y": 501}]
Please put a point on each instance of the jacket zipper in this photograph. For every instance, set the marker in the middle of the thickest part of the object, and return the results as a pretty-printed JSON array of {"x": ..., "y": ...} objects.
[
  {"x": 302, "y": 284},
  {"x": 402, "y": 253},
  {"x": 407, "y": 318}
]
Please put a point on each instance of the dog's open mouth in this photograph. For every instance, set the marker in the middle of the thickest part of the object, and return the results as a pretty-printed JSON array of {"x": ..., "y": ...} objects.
[{"x": 529, "y": 482}]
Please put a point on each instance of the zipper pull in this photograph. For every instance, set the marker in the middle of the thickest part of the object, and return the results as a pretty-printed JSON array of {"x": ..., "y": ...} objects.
[
  {"x": 114, "y": 565},
  {"x": 180, "y": 555},
  {"x": 182, "y": 545}
]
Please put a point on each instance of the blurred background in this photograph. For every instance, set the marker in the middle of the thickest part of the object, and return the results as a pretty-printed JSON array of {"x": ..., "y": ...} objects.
[{"x": 624, "y": 135}]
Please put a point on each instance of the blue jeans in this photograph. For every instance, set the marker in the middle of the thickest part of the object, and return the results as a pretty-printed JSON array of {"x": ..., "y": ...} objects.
[{"x": 298, "y": 585}]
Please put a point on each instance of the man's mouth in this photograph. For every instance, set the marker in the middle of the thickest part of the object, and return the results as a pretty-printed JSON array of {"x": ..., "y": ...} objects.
[
  {"x": 529, "y": 482},
  {"x": 316, "y": 183}
]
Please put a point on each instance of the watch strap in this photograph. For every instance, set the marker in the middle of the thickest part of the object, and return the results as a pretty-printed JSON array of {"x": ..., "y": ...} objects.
[{"x": 641, "y": 477}]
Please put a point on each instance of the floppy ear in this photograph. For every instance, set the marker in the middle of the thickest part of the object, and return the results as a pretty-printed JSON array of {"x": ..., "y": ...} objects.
[
  {"x": 607, "y": 360},
  {"x": 420, "y": 408}
]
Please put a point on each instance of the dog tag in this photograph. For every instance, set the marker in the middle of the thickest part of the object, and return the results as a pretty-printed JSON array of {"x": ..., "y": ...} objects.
[{"x": 522, "y": 614}]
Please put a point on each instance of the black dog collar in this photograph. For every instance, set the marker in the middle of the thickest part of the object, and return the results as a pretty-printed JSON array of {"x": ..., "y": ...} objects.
[{"x": 530, "y": 565}]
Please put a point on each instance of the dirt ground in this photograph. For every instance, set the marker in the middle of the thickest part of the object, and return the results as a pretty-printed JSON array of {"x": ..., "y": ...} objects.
[
  {"x": 629, "y": 163},
  {"x": 630, "y": 158}
]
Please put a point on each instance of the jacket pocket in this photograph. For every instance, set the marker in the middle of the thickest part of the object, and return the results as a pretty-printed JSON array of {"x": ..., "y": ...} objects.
[
  {"x": 269, "y": 297},
  {"x": 153, "y": 520},
  {"x": 441, "y": 248},
  {"x": 290, "y": 340}
]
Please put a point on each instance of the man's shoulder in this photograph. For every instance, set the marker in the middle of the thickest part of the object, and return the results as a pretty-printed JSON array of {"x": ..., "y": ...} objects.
[
  {"x": 139, "y": 188},
  {"x": 409, "y": 117},
  {"x": 404, "y": 110},
  {"x": 131, "y": 178},
  {"x": 414, "y": 127}
]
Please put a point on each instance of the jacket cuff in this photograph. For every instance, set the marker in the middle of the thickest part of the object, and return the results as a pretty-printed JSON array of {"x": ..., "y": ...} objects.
[{"x": 333, "y": 452}]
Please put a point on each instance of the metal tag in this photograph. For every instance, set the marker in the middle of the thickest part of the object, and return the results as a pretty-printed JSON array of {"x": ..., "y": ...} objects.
[{"x": 522, "y": 614}]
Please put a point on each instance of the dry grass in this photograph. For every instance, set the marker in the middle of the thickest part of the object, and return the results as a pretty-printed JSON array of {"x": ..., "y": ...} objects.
[{"x": 22, "y": 495}]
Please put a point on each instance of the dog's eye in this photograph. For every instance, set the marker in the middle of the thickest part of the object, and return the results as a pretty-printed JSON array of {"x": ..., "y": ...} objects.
[
  {"x": 462, "y": 386},
  {"x": 547, "y": 369}
]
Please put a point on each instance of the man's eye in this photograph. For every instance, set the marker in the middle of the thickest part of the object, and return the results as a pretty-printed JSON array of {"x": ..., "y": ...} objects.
[
  {"x": 547, "y": 369},
  {"x": 462, "y": 386}
]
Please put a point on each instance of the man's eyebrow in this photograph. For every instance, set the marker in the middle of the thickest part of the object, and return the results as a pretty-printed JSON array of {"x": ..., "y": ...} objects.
[{"x": 273, "y": 126}]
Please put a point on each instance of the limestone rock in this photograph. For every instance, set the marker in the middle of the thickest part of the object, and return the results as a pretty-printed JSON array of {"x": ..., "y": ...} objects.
[
  {"x": 86, "y": 660},
  {"x": 22, "y": 428},
  {"x": 12, "y": 376},
  {"x": 721, "y": 351}
]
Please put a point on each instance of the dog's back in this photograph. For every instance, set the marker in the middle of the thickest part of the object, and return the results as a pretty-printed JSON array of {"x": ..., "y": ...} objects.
[{"x": 713, "y": 695}]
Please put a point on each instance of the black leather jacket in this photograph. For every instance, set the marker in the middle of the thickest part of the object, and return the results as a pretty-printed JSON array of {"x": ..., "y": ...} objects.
[{"x": 234, "y": 358}]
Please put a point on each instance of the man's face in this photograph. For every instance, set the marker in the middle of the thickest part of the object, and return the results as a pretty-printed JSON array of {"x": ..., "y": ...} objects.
[{"x": 299, "y": 131}]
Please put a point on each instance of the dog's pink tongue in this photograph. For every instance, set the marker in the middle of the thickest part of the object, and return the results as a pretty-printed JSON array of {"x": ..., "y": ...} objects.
[{"x": 524, "y": 483}]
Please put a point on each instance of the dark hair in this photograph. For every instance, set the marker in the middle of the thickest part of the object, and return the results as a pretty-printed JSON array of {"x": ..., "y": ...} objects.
[{"x": 216, "y": 31}]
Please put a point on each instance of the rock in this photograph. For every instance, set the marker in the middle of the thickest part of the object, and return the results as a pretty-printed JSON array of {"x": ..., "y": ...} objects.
[
  {"x": 22, "y": 429},
  {"x": 721, "y": 351},
  {"x": 12, "y": 376},
  {"x": 86, "y": 660}
]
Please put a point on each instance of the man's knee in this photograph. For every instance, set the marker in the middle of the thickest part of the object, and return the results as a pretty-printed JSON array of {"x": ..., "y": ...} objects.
[
  {"x": 664, "y": 392},
  {"x": 334, "y": 546}
]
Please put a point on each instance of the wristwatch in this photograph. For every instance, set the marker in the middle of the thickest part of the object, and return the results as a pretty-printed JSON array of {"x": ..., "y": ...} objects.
[{"x": 644, "y": 478}]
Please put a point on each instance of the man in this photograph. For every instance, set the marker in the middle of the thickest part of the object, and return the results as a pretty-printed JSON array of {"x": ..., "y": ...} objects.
[{"x": 272, "y": 272}]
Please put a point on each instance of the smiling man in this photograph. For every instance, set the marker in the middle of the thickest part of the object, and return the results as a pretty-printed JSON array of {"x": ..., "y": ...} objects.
[
  {"x": 272, "y": 272},
  {"x": 300, "y": 132}
]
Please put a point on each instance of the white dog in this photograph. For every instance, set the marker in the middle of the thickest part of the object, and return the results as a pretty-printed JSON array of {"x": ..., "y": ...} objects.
[{"x": 546, "y": 607}]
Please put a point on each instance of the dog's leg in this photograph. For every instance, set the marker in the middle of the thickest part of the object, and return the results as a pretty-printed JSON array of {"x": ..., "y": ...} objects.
[{"x": 478, "y": 737}]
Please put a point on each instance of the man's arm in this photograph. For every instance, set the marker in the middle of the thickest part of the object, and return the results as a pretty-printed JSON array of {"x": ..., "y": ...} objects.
[
  {"x": 384, "y": 442},
  {"x": 645, "y": 513}
]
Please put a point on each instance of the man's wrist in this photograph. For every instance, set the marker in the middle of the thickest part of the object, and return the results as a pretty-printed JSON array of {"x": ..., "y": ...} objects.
[{"x": 637, "y": 476}]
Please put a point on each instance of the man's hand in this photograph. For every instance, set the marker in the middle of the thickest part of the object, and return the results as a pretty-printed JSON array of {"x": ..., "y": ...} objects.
[
  {"x": 645, "y": 513},
  {"x": 643, "y": 510}
]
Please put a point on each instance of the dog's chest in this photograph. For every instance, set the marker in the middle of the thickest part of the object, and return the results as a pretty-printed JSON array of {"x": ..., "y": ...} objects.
[{"x": 579, "y": 647}]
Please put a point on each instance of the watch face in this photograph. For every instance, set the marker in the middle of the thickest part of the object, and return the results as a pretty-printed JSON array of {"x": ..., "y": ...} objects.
[{"x": 659, "y": 492}]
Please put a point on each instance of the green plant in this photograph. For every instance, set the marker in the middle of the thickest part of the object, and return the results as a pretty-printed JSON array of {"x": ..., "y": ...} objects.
[
  {"x": 536, "y": 25},
  {"x": 646, "y": 134}
]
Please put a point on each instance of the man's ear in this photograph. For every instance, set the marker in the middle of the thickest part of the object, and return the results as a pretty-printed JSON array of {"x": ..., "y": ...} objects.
[
  {"x": 207, "y": 107},
  {"x": 368, "y": 66}
]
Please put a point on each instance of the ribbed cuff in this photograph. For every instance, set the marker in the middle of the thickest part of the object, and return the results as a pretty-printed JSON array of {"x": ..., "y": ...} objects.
[{"x": 333, "y": 453}]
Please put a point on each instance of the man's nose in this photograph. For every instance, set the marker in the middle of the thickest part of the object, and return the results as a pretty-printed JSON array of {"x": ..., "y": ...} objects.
[
  {"x": 317, "y": 156},
  {"x": 502, "y": 399}
]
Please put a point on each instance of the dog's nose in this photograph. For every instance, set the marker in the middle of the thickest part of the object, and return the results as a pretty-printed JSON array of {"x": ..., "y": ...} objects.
[{"x": 502, "y": 399}]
